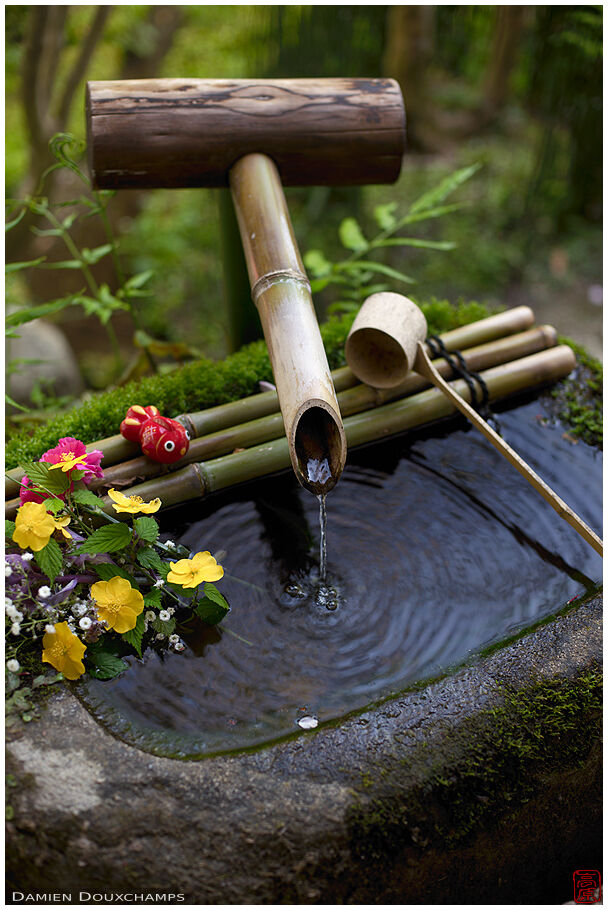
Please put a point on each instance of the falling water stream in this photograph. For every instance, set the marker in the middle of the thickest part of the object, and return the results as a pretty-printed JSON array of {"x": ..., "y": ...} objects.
[{"x": 437, "y": 548}]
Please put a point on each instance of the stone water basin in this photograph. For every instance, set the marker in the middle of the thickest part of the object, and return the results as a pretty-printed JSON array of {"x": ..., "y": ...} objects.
[
  {"x": 456, "y": 757},
  {"x": 437, "y": 548}
]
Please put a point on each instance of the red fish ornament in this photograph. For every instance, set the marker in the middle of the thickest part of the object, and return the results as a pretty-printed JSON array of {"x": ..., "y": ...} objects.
[{"x": 161, "y": 438}]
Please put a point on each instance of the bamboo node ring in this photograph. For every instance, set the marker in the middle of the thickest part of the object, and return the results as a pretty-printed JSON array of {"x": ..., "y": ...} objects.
[{"x": 271, "y": 278}]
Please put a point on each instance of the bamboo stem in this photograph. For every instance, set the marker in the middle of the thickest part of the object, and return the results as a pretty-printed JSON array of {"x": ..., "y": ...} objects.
[
  {"x": 424, "y": 366},
  {"x": 281, "y": 293},
  {"x": 201, "y": 423},
  {"x": 407, "y": 413}
]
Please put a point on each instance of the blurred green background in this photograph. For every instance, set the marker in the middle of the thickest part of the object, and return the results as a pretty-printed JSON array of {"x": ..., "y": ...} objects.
[{"x": 517, "y": 89}]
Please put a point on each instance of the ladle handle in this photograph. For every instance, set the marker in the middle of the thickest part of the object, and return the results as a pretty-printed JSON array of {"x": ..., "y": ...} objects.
[{"x": 424, "y": 366}]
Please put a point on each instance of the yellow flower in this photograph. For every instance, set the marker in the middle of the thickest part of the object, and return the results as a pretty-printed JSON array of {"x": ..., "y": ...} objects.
[
  {"x": 64, "y": 651},
  {"x": 33, "y": 526},
  {"x": 189, "y": 573},
  {"x": 118, "y": 604},
  {"x": 61, "y": 524},
  {"x": 68, "y": 460},
  {"x": 133, "y": 504}
]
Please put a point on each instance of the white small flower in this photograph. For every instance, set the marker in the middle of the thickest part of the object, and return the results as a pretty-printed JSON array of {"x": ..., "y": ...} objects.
[
  {"x": 170, "y": 544},
  {"x": 178, "y": 646},
  {"x": 79, "y": 608},
  {"x": 15, "y": 628},
  {"x": 11, "y": 612},
  {"x": 85, "y": 623},
  {"x": 27, "y": 556},
  {"x": 160, "y": 636},
  {"x": 8, "y": 569},
  {"x": 149, "y": 616},
  {"x": 17, "y": 615},
  {"x": 164, "y": 615},
  {"x": 50, "y": 629},
  {"x": 170, "y": 610},
  {"x": 13, "y": 666},
  {"x": 174, "y": 638},
  {"x": 44, "y": 591},
  {"x": 159, "y": 583},
  {"x": 7, "y": 603}
]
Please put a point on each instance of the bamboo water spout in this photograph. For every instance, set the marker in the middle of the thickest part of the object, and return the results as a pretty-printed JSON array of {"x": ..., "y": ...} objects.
[{"x": 281, "y": 293}]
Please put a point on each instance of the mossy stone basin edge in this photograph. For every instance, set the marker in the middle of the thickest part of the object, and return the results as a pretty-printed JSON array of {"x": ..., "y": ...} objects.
[{"x": 481, "y": 787}]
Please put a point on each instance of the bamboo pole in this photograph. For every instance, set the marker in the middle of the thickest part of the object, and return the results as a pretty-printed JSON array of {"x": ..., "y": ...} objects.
[
  {"x": 424, "y": 366},
  {"x": 281, "y": 293},
  {"x": 388, "y": 419}
]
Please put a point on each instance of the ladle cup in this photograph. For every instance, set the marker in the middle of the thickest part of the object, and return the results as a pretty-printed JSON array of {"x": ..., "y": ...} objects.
[{"x": 387, "y": 340}]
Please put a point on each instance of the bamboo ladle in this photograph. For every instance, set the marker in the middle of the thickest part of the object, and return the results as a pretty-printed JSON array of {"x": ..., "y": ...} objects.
[{"x": 387, "y": 340}]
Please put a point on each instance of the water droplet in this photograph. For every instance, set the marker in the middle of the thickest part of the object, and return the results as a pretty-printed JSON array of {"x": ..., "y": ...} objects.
[
  {"x": 327, "y": 597},
  {"x": 295, "y": 589},
  {"x": 308, "y": 722}
]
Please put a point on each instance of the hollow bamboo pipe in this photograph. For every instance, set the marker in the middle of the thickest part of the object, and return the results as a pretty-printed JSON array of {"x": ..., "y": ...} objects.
[
  {"x": 201, "y": 423},
  {"x": 281, "y": 293},
  {"x": 358, "y": 398},
  {"x": 388, "y": 419}
]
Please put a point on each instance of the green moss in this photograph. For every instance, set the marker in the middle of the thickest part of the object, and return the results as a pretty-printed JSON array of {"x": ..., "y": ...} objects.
[
  {"x": 579, "y": 398},
  {"x": 496, "y": 761},
  {"x": 201, "y": 384}
]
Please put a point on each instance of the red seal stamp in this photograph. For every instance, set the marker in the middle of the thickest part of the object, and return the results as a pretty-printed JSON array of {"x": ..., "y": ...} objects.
[{"x": 587, "y": 886}]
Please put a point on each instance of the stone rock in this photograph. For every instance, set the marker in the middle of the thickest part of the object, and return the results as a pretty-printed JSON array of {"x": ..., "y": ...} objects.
[
  {"x": 482, "y": 787},
  {"x": 56, "y": 370}
]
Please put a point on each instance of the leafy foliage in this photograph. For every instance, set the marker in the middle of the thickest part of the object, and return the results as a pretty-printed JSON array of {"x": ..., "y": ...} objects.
[{"x": 355, "y": 274}]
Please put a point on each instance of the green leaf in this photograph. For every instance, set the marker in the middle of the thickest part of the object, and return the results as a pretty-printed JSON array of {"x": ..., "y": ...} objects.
[
  {"x": 146, "y": 528},
  {"x": 11, "y": 224},
  {"x": 50, "y": 560},
  {"x": 54, "y": 505},
  {"x": 134, "y": 636},
  {"x": 415, "y": 241},
  {"x": 166, "y": 627},
  {"x": 87, "y": 498},
  {"x": 149, "y": 559},
  {"x": 366, "y": 265},
  {"x": 384, "y": 217},
  {"x": 18, "y": 266},
  {"x": 9, "y": 527},
  {"x": 104, "y": 663},
  {"x": 138, "y": 280},
  {"x": 444, "y": 189},
  {"x": 50, "y": 481},
  {"x": 317, "y": 264},
  {"x": 109, "y": 570},
  {"x": 351, "y": 235},
  {"x": 431, "y": 213},
  {"x": 153, "y": 598},
  {"x": 35, "y": 312},
  {"x": 108, "y": 539},
  {"x": 65, "y": 264},
  {"x": 93, "y": 256},
  {"x": 213, "y": 607}
]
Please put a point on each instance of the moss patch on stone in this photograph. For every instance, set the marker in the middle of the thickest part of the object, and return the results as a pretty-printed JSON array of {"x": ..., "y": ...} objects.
[
  {"x": 489, "y": 766},
  {"x": 578, "y": 400}
]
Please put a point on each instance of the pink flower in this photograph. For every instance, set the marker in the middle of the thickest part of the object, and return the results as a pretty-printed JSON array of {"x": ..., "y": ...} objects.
[
  {"x": 26, "y": 494},
  {"x": 73, "y": 452}
]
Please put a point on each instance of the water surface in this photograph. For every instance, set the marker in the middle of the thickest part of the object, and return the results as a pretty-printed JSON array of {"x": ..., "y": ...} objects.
[{"x": 436, "y": 547}]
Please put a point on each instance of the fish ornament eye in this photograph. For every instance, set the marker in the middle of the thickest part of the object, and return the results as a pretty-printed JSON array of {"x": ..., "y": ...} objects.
[
  {"x": 188, "y": 436},
  {"x": 169, "y": 445}
]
